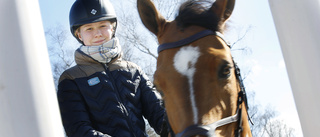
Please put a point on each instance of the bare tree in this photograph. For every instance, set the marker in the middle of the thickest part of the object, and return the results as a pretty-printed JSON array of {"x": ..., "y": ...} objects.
[
  {"x": 265, "y": 122},
  {"x": 61, "y": 54},
  {"x": 140, "y": 45},
  {"x": 276, "y": 128}
]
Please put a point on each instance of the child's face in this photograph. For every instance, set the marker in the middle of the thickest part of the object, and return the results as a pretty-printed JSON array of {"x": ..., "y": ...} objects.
[{"x": 94, "y": 34}]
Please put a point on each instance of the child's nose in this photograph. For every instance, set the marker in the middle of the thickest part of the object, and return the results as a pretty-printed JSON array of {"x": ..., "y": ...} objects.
[{"x": 98, "y": 33}]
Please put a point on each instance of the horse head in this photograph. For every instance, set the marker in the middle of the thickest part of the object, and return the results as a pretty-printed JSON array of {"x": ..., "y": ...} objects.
[{"x": 195, "y": 70}]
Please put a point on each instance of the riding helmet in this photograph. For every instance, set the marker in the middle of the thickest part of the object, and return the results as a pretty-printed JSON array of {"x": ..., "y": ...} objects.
[{"x": 90, "y": 11}]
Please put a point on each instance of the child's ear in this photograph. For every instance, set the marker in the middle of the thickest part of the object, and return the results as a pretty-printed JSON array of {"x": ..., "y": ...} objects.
[{"x": 79, "y": 35}]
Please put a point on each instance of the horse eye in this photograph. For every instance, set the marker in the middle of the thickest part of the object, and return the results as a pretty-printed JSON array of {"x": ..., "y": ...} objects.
[{"x": 225, "y": 71}]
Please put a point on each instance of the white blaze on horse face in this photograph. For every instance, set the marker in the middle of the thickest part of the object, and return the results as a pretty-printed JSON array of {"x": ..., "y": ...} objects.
[{"x": 184, "y": 62}]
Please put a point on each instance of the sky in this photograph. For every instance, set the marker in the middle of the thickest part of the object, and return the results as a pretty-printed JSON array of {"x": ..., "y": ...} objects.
[{"x": 263, "y": 62}]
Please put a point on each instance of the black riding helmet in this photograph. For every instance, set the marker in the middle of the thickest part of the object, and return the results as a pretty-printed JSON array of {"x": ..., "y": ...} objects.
[{"x": 90, "y": 11}]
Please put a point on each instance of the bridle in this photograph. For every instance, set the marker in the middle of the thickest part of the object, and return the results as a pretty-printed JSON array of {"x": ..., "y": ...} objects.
[{"x": 209, "y": 130}]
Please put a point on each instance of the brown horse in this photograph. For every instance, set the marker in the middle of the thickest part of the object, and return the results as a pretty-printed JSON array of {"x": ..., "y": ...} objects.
[{"x": 202, "y": 87}]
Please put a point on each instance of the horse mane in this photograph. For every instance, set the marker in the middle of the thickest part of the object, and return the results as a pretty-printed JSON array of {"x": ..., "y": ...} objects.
[{"x": 196, "y": 12}]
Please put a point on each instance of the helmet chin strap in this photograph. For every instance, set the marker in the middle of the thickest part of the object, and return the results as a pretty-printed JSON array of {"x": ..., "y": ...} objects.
[{"x": 114, "y": 28}]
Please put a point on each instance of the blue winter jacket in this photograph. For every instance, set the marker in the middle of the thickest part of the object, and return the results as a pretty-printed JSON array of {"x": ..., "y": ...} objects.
[{"x": 99, "y": 100}]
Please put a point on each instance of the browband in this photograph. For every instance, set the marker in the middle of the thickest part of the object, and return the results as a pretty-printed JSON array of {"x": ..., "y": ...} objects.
[{"x": 188, "y": 40}]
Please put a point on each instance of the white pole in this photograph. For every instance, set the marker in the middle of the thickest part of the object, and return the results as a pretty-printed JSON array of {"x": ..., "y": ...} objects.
[
  {"x": 28, "y": 102},
  {"x": 298, "y": 27}
]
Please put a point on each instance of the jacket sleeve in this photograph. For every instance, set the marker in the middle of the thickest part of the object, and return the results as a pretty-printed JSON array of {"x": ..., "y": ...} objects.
[
  {"x": 152, "y": 104},
  {"x": 73, "y": 111}
]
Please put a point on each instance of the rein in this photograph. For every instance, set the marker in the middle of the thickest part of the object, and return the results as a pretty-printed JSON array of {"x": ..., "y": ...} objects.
[{"x": 209, "y": 130}]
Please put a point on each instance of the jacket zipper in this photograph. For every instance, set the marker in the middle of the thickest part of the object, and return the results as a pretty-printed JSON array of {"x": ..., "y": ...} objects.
[{"x": 121, "y": 102}]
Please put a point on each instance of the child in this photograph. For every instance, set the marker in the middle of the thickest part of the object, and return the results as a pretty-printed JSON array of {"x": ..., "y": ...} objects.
[{"x": 104, "y": 95}]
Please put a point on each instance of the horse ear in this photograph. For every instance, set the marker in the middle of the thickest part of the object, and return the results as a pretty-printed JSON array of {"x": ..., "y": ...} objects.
[
  {"x": 150, "y": 16},
  {"x": 223, "y": 8}
]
